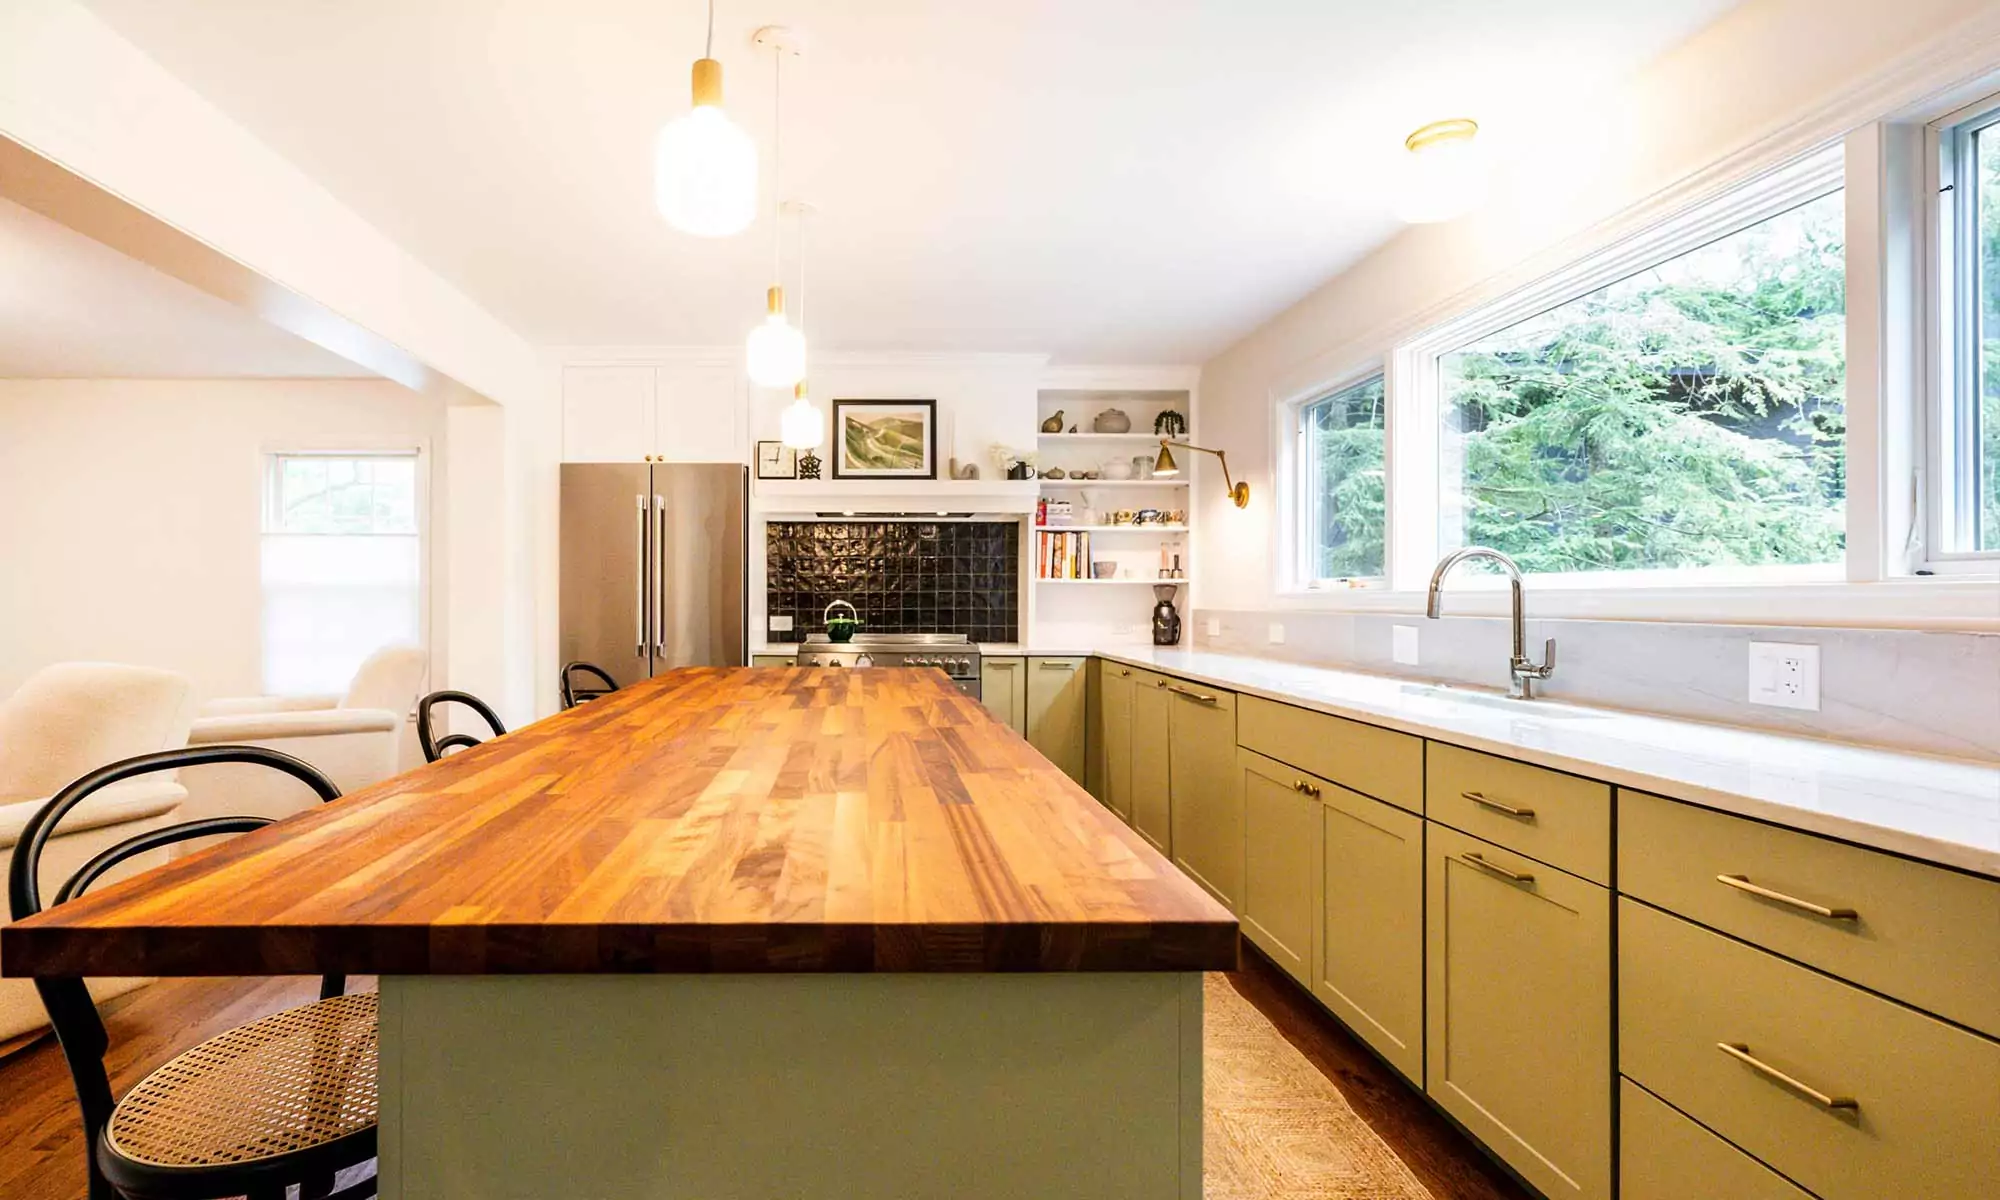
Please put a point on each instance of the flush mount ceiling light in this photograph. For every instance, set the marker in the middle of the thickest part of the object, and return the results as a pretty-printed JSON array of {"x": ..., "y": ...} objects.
[
  {"x": 1444, "y": 173},
  {"x": 704, "y": 166},
  {"x": 776, "y": 352},
  {"x": 802, "y": 426},
  {"x": 1165, "y": 465}
]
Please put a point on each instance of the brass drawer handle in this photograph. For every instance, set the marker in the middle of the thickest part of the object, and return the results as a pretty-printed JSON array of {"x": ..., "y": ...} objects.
[
  {"x": 1049, "y": 665},
  {"x": 1741, "y": 1053},
  {"x": 1472, "y": 857},
  {"x": 1742, "y": 884},
  {"x": 1197, "y": 697},
  {"x": 1526, "y": 814},
  {"x": 1305, "y": 789}
]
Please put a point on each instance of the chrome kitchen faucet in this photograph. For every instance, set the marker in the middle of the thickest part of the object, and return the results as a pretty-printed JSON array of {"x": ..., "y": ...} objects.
[{"x": 1520, "y": 672}]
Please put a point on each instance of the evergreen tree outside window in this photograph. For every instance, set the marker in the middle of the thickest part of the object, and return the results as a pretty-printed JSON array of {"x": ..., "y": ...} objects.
[{"x": 1343, "y": 502}]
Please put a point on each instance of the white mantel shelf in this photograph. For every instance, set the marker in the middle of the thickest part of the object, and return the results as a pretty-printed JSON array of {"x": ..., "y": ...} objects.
[{"x": 913, "y": 496}]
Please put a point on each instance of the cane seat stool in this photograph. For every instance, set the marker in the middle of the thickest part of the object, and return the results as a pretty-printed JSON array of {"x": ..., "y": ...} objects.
[{"x": 288, "y": 1099}]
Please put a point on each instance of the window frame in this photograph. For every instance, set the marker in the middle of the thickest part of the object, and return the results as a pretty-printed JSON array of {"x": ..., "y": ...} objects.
[
  {"x": 1952, "y": 353},
  {"x": 271, "y": 455},
  {"x": 1297, "y": 487}
]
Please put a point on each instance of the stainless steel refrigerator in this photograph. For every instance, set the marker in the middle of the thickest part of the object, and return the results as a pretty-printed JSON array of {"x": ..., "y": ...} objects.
[{"x": 653, "y": 566}]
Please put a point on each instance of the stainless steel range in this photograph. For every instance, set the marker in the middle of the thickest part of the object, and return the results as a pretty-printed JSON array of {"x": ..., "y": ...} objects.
[{"x": 952, "y": 653}]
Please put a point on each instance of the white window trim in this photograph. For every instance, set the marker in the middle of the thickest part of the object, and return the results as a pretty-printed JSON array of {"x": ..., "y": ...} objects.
[{"x": 1290, "y": 478}]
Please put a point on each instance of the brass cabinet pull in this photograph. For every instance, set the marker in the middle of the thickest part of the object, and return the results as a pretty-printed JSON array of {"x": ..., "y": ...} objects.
[
  {"x": 1742, "y": 884},
  {"x": 1472, "y": 858},
  {"x": 1741, "y": 1053},
  {"x": 1197, "y": 697},
  {"x": 1305, "y": 789},
  {"x": 1526, "y": 814},
  {"x": 1054, "y": 665}
]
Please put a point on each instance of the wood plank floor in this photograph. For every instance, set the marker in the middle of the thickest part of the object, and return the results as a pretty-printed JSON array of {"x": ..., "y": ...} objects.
[{"x": 41, "y": 1157}]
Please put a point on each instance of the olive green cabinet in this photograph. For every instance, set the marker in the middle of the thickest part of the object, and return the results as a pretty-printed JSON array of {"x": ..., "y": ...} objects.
[
  {"x": 1369, "y": 952},
  {"x": 1111, "y": 737},
  {"x": 1280, "y": 890},
  {"x": 772, "y": 660},
  {"x": 1003, "y": 688},
  {"x": 1518, "y": 1012},
  {"x": 1207, "y": 795},
  {"x": 1152, "y": 797},
  {"x": 1056, "y": 712}
]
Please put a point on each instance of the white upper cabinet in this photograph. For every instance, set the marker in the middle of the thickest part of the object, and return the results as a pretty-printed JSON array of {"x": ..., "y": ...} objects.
[{"x": 684, "y": 412}]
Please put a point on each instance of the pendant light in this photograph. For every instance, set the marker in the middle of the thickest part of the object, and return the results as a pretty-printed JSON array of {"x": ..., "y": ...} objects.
[
  {"x": 802, "y": 426},
  {"x": 776, "y": 352},
  {"x": 1444, "y": 174},
  {"x": 704, "y": 165}
]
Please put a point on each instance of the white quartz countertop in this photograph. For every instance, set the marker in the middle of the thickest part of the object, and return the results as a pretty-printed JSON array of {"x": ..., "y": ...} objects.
[{"x": 1941, "y": 810}]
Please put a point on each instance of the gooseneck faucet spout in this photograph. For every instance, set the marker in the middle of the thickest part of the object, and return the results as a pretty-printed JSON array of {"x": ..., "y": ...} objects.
[{"x": 1521, "y": 672}]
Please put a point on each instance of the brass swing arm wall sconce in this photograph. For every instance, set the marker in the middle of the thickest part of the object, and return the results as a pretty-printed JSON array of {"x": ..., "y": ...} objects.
[{"x": 1165, "y": 465}]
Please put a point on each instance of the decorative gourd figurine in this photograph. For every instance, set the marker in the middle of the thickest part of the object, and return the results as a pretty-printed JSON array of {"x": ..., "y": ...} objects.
[
  {"x": 1053, "y": 424},
  {"x": 1111, "y": 421}
]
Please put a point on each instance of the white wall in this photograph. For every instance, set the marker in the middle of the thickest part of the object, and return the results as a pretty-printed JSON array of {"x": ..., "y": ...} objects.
[
  {"x": 133, "y": 513},
  {"x": 1756, "y": 77}
]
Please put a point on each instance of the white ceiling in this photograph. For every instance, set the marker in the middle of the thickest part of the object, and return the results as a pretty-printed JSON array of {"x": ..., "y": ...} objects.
[
  {"x": 71, "y": 307},
  {"x": 1109, "y": 181}
]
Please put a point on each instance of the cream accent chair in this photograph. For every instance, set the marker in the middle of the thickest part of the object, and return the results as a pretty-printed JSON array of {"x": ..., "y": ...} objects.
[
  {"x": 64, "y": 722},
  {"x": 354, "y": 740}
]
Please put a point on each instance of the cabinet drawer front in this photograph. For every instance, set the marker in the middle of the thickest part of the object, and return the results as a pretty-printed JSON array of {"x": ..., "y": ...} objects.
[
  {"x": 1561, "y": 819},
  {"x": 1375, "y": 762},
  {"x": 1517, "y": 1022},
  {"x": 1771, "y": 1055},
  {"x": 1280, "y": 862},
  {"x": 1919, "y": 933},
  {"x": 1370, "y": 955},
  {"x": 1664, "y": 1156}
]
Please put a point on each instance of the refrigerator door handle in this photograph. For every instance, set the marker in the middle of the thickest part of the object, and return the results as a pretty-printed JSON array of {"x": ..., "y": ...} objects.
[
  {"x": 659, "y": 577},
  {"x": 639, "y": 579}
]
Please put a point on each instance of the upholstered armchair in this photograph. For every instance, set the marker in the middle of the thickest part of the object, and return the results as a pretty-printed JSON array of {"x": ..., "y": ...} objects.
[
  {"x": 64, "y": 722},
  {"x": 354, "y": 740}
]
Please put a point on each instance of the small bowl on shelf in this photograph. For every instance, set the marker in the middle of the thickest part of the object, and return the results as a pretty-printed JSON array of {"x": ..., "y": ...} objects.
[{"x": 1103, "y": 570}]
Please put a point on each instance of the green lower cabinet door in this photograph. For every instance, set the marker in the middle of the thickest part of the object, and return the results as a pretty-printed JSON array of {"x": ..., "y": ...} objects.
[
  {"x": 1056, "y": 717},
  {"x": 1369, "y": 955},
  {"x": 1152, "y": 793},
  {"x": 1207, "y": 795},
  {"x": 1518, "y": 1011},
  {"x": 1280, "y": 862},
  {"x": 1111, "y": 743},
  {"x": 1003, "y": 688}
]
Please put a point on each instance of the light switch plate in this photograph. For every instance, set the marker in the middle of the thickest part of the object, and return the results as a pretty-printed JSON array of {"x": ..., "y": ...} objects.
[
  {"x": 1403, "y": 644},
  {"x": 1215, "y": 627},
  {"x": 781, "y": 624},
  {"x": 1277, "y": 634},
  {"x": 1784, "y": 675}
]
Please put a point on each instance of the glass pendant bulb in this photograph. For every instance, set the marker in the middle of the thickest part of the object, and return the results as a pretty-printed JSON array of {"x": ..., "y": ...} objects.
[
  {"x": 704, "y": 165},
  {"x": 776, "y": 352},
  {"x": 1444, "y": 173},
  {"x": 802, "y": 426}
]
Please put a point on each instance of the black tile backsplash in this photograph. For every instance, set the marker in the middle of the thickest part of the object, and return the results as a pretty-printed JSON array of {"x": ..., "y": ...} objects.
[{"x": 904, "y": 576}]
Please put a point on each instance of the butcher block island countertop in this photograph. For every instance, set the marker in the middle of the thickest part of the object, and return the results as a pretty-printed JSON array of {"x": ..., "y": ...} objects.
[{"x": 708, "y": 820}]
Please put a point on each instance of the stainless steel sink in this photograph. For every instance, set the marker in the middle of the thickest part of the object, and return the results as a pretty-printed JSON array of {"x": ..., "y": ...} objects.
[{"x": 1443, "y": 694}]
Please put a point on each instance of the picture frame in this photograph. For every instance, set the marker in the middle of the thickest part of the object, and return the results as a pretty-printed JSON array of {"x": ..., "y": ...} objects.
[
  {"x": 885, "y": 439},
  {"x": 775, "y": 460}
]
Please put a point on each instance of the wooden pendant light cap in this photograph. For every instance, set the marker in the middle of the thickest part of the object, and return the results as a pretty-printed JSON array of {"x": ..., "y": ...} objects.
[
  {"x": 707, "y": 82},
  {"x": 774, "y": 299}
]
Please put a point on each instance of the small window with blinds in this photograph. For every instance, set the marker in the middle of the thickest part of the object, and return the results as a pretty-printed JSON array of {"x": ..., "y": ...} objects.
[{"x": 341, "y": 565}]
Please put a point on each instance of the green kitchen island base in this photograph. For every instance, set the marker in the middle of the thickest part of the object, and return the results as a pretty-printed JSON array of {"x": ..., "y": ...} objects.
[{"x": 719, "y": 1087}]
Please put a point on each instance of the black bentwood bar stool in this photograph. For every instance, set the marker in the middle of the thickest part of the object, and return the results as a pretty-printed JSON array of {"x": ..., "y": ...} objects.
[
  {"x": 572, "y": 695},
  {"x": 435, "y": 746},
  {"x": 287, "y": 1099}
]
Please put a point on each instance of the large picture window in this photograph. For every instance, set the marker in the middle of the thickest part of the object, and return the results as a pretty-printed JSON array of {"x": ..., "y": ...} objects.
[
  {"x": 1966, "y": 498},
  {"x": 1343, "y": 502},
  {"x": 341, "y": 565}
]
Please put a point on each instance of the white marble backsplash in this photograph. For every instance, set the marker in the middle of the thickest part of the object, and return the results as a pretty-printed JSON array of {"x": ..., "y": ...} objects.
[{"x": 1933, "y": 692}]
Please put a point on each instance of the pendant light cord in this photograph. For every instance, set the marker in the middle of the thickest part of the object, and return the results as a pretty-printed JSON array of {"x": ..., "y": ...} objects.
[
  {"x": 777, "y": 167},
  {"x": 708, "y": 46}
]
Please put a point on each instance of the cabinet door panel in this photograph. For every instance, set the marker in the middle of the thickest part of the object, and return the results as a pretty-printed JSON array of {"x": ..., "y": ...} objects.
[
  {"x": 1518, "y": 1012},
  {"x": 1152, "y": 793},
  {"x": 607, "y": 414},
  {"x": 1114, "y": 741},
  {"x": 1281, "y": 825},
  {"x": 1056, "y": 712},
  {"x": 1207, "y": 793},
  {"x": 1003, "y": 689},
  {"x": 1370, "y": 957},
  {"x": 701, "y": 411}
]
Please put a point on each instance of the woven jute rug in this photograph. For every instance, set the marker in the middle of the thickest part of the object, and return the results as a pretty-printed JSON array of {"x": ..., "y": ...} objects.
[{"x": 1274, "y": 1128}]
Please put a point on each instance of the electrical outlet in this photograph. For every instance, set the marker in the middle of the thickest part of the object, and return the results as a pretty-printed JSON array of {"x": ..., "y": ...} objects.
[
  {"x": 1277, "y": 634},
  {"x": 1403, "y": 644},
  {"x": 1215, "y": 627},
  {"x": 781, "y": 624},
  {"x": 1784, "y": 675}
]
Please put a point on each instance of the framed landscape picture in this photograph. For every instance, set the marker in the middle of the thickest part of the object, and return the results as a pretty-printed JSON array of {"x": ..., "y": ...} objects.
[{"x": 885, "y": 439}]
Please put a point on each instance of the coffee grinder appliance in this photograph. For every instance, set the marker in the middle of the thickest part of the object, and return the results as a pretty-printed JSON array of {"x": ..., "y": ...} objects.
[{"x": 1166, "y": 621}]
